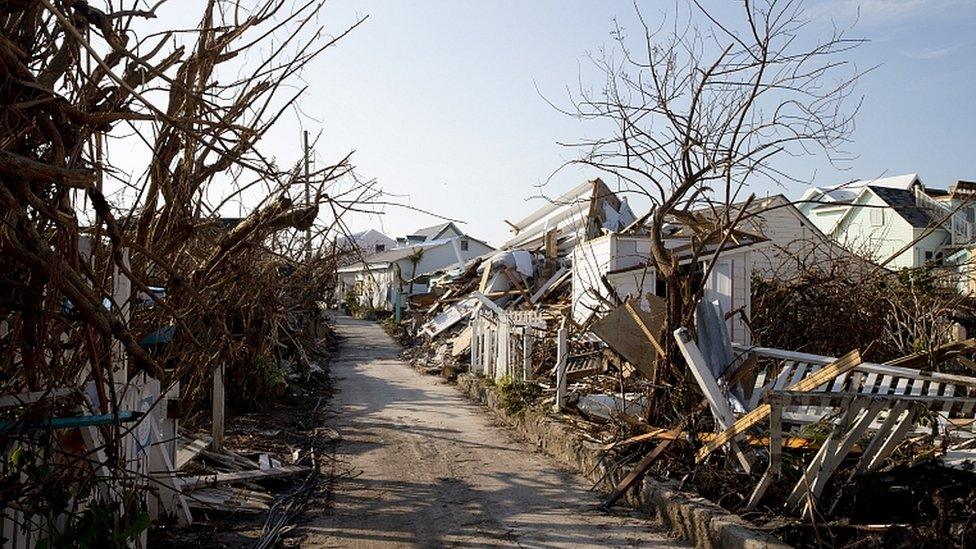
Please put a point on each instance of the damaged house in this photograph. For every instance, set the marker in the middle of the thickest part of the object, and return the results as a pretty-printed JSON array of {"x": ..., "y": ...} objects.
[
  {"x": 614, "y": 268},
  {"x": 382, "y": 281},
  {"x": 577, "y": 260},
  {"x": 570, "y": 312}
]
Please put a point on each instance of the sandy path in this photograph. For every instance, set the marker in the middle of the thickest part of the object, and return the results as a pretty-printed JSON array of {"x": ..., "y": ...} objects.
[{"x": 435, "y": 471}]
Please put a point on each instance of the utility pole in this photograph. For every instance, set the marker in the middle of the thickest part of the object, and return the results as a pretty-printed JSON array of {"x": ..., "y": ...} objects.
[{"x": 308, "y": 202}]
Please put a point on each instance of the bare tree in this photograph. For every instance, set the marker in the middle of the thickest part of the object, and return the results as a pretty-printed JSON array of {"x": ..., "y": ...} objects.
[
  {"x": 77, "y": 78},
  {"x": 702, "y": 108}
]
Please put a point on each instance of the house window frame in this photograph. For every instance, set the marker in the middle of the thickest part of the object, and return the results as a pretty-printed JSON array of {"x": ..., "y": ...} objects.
[
  {"x": 464, "y": 244},
  {"x": 877, "y": 217}
]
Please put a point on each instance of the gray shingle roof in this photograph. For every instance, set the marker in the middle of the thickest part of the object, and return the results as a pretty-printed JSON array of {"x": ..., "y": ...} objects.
[
  {"x": 430, "y": 232},
  {"x": 903, "y": 202}
]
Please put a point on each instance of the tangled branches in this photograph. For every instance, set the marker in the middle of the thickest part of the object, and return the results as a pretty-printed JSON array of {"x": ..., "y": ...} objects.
[{"x": 98, "y": 288}]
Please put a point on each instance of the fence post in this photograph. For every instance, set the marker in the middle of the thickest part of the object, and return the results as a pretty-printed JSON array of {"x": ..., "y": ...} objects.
[
  {"x": 217, "y": 409},
  {"x": 561, "y": 357},
  {"x": 528, "y": 332},
  {"x": 475, "y": 340}
]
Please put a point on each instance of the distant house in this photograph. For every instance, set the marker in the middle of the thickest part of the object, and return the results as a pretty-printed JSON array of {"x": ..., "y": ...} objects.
[
  {"x": 381, "y": 280},
  {"x": 364, "y": 243},
  {"x": 429, "y": 234},
  {"x": 896, "y": 220}
]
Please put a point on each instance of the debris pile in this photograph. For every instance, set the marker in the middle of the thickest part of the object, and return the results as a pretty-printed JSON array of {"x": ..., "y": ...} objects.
[{"x": 578, "y": 324}]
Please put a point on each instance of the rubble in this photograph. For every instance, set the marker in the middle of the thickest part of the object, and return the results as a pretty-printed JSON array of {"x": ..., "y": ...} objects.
[{"x": 587, "y": 336}]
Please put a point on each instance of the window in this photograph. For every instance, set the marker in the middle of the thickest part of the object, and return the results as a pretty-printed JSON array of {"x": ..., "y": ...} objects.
[
  {"x": 877, "y": 217},
  {"x": 380, "y": 248},
  {"x": 464, "y": 245},
  {"x": 934, "y": 257}
]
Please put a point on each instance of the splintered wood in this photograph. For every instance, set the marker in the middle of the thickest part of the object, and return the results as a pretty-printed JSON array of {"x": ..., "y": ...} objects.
[{"x": 827, "y": 374}]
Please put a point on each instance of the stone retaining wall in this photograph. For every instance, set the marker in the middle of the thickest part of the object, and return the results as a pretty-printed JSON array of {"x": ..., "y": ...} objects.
[{"x": 691, "y": 517}]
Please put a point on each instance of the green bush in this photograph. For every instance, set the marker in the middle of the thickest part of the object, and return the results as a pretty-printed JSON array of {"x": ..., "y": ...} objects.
[{"x": 517, "y": 395}]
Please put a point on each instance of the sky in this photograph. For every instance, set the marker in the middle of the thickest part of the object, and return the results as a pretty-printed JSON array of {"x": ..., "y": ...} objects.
[{"x": 447, "y": 103}]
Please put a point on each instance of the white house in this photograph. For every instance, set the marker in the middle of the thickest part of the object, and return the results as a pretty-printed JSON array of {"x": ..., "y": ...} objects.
[
  {"x": 363, "y": 243},
  {"x": 381, "y": 280},
  {"x": 793, "y": 240},
  {"x": 895, "y": 221}
]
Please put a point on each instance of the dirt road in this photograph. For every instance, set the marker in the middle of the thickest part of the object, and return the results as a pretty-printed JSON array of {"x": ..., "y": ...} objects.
[{"x": 434, "y": 471}]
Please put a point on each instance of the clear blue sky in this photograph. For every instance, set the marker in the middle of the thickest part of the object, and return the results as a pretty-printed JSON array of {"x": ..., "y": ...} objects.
[{"x": 440, "y": 99}]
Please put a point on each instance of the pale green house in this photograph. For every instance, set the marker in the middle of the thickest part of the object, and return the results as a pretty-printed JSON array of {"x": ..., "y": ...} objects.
[{"x": 895, "y": 221}]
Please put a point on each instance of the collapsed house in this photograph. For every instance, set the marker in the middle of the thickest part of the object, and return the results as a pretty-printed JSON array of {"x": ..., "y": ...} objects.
[{"x": 571, "y": 265}]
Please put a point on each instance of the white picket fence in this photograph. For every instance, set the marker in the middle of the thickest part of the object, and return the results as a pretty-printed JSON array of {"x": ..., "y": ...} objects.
[{"x": 502, "y": 342}]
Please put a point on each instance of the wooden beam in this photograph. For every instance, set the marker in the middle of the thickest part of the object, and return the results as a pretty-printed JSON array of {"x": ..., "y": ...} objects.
[
  {"x": 645, "y": 463},
  {"x": 789, "y": 443},
  {"x": 547, "y": 285},
  {"x": 713, "y": 393},
  {"x": 191, "y": 482},
  {"x": 217, "y": 409},
  {"x": 562, "y": 357},
  {"x": 188, "y": 453},
  {"x": 775, "y": 456},
  {"x": 647, "y": 331}
]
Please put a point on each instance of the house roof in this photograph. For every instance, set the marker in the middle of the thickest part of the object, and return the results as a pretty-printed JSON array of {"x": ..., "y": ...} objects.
[
  {"x": 905, "y": 205},
  {"x": 432, "y": 232},
  {"x": 846, "y": 193},
  {"x": 396, "y": 254},
  {"x": 361, "y": 234},
  {"x": 776, "y": 201}
]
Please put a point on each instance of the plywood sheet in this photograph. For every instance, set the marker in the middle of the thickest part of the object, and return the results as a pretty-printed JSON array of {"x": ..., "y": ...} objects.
[{"x": 620, "y": 332}]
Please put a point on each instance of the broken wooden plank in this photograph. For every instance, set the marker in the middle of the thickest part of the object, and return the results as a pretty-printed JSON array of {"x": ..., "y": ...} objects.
[
  {"x": 188, "y": 453},
  {"x": 485, "y": 275},
  {"x": 161, "y": 472},
  {"x": 717, "y": 399},
  {"x": 230, "y": 500},
  {"x": 644, "y": 464},
  {"x": 461, "y": 343},
  {"x": 852, "y": 425},
  {"x": 789, "y": 443},
  {"x": 632, "y": 311},
  {"x": 880, "y": 436},
  {"x": 845, "y": 364},
  {"x": 217, "y": 409},
  {"x": 191, "y": 482},
  {"x": 562, "y": 359},
  {"x": 774, "y": 468},
  {"x": 547, "y": 285}
]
